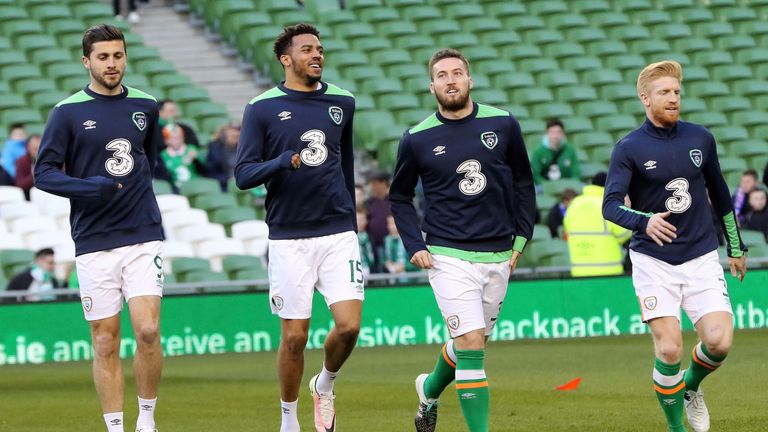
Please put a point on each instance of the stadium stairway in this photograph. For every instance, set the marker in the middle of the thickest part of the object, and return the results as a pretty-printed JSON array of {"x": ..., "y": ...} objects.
[{"x": 196, "y": 56}]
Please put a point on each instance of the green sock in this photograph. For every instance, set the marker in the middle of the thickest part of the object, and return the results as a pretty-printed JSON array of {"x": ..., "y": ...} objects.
[
  {"x": 443, "y": 374},
  {"x": 702, "y": 364},
  {"x": 472, "y": 388},
  {"x": 670, "y": 389}
]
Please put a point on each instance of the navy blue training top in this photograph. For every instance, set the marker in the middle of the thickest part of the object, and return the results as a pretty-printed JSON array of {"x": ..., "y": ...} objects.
[
  {"x": 671, "y": 169},
  {"x": 318, "y": 199},
  {"x": 477, "y": 181},
  {"x": 91, "y": 143}
]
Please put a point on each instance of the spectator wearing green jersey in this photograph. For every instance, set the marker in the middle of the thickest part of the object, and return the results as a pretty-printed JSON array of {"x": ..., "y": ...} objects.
[
  {"x": 556, "y": 158},
  {"x": 366, "y": 248},
  {"x": 180, "y": 159}
]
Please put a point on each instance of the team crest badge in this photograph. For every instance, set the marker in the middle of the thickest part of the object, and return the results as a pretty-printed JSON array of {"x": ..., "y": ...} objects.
[
  {"x": 337, "y": 114},
  {"x": 87, "y": 304},
  {"x": 453, "y": 322},
  {"x": 140, "y": 120},
  {"x": 696, "y": 157},
  {"x": 489, "y": 139},
  {"x": 277, "y": 302},
  {"x": 650, "y": 303}
]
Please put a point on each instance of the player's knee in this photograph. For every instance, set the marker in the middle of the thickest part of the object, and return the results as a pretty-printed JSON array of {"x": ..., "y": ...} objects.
[
  {"x": 148, "y": 334},
  {"x": 718, "y": 341},
  {"x": 294, "y": 342},
  {"x": 347, "y": 331},
  {"x": 105, "y": 345},
  {"x": 669, "y": 351}
]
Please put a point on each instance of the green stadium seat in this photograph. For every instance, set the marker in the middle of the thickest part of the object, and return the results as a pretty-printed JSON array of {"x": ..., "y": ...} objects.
[
  {"x": 233, "y": 24},
  {"x": 713, "y": 29},
  {"x": 736, "y": 42},
  {"x": 200, "y": 186},
  {"x": 582, "y": 64},
  {"x": 540, "y": 37},
  {"x": 481, "y": 25},
  {"x": 632, "y": 107},
  {"x": 750, "y": 88},
  {"x": 58, "y": 72},
  {"x": 403, "y": 71},
  {"x": 732, "y": 165},
  {"x": 161, "y": 187},
  {"x": 532, "y": 95},
  {"x": 709, "y": 119},
  {"x": 152, "y": 67},
  {"x": 619, "y": 92},
  {"x": 729, "y": 72},
  {"x": 730, "y": 104},
  {"x": 760, "y": 102},
  {"x": 397, "y": 102},
  {"x": 461, "y": 11},
  {"x": 577, "y": 94},
  {"x": 25, "y": 116},
  {"x": 184, "y": 267},
  {"x": 230, "y": 215},
  {"x": 493, "y": 67},
  {"x": 357, "y": 5},
  {"x": 557, "y": 78},
  {"x": 17, "y": 27},
  {"x": 713, "y": 58},
  {"x": 752, "y": 56},
  {"x": 500, "y": 38},
  {"x": 503, "y": 9},
  {"x": 524, "y": 23},
  {"x": 30, "y": 86},
  {"x": 93, "y": 12},
  {"x": 629, "y": 33},
  {"x": 623, "y": 62},
  {"x": 550, "y": 110},
  {"x": 729, "y": 134},
  {"x": 618, "y": 123},
  {"x": 709, "y": 89},
  {"x": 514, "y": 80},
  {"x": 10, "y": 13},
  {"x": 748, "y": 149},
  {"x": 547, "y": 7},
  {"x": 692, "y": 45},
  {"x": 479, "y": 53},
  {"x": 577, "y": 124},
  {"x": 538, "y": 65},
  {"x": 750, "y": 118},
  {"x": 391, "y": 56},
  {"x": 259, "y": 273},
  {"x": 215, "y": 200},
  {"x": 362, "y": 73},
  {"x": 421, "y": 12},
  {"x": 752, "y": 238},
  {"x": 753, "y": 28},
  {"x": 588, "y": 7},
  {"x": 599, "y": 77},
  {"x": 693, "y": 15},
  {"x": 649, "y": 47},
  {"x": 412, "y": 117},
  {"x": 11, "y": 101},
  {"x": 596, "y": 108},
  {"x": 604, "y": 48},
  {"x": 233, "y": 264},
  {"x": 381, "y": 86},
  {"x": 564, "y": 49},
  {"x": 567, "y": 20},
  {"x": 437, "y": 27},
  {"x": 11, "y": 259},
  {"x": 12, "y": 57},
  {"x": 490, "y": 97}
]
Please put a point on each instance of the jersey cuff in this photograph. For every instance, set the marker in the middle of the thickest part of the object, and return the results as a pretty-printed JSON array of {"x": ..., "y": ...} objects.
[{"x": 519, "y": 244}]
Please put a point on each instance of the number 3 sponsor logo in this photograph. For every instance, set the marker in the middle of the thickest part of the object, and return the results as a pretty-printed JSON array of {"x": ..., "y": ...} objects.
[
  {"x": 474, "y": 181},
  {"x": 121, "y": 163},
  {"x": 680, "y": 201},
  {"x": 316, "y": 152}
]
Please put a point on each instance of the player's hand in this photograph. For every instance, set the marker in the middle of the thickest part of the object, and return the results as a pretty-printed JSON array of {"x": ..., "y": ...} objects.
[
  {"x": 513, "y": 261},
  {"x": 295, "y": 161},
  {"x": 659, "y": 230},
  {"x": 738, "y": 266},
  {"x": 422, "y": 259}
]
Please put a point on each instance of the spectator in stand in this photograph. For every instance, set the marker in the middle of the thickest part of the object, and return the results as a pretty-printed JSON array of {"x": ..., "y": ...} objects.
[
  {"x": 594, "y": 244},
  {"x": 14, "y": 148},
  {"x": 26, "y": 164},
  {"x": 395, "y": 257},
  {"x": 557, "y": 212},
  {"x": 169, "y": 113},
  {"x": 366, "y": 250},
  {"x": 555, "y": 158},
  {"x": 222, "y": 153},
  {"x": 748, "y": 183},
  {"x": 378, "y": 210},
  {"x": 133, "y": 16},
  {"x": 757, "y": 218},
  {"x": 38, "y": 277},
  {"x": 180, "y": 159}
]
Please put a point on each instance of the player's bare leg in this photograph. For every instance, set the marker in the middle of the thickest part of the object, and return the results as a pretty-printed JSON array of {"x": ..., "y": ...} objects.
[
  {"x": 715, "y": 330},
  {"x": 148, "y": 362},
  {"x": 471, "y": 382},
  {"x": 107, "y": 370},
  {"x": 339, "y": 344},
  {"x": 290, "y": 368},
  {"x": 667, "y": 376}
]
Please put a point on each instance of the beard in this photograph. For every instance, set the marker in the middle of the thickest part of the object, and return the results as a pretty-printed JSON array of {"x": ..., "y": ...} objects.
[
  {"x": 304, "y": 75},
  {"x": 103, "y": 81},
  {"x": 666, "y": 119},
  {"x": 453, "y": 103}
]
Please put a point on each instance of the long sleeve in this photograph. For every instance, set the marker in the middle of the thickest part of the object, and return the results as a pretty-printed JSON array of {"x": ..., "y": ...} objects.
[
  {"x": 616, "y": 187},
  {"x": 348, "y": 159},
  {"x": 523, "y": 189},
  {"x": 251, "y": 169},
  {"x": 721, "y": 201},
  {"x": 50, "y": 160},
  {"x": 153, "y": 140},
  {"x": 401, "y": 193}
]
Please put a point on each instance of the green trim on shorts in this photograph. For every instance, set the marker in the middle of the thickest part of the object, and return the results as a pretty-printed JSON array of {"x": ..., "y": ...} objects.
[{"x": 470, "y": 256}]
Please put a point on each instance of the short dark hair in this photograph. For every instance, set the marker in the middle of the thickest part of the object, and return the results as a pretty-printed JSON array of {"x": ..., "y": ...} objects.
[
  {"x": 444, "y": 54},
  {"x": 13, "y": 126},
  {"x": 101, "y": 33},
  {"x": 750, "y": 172},
  {"x": 568, "y": 194},
  {"x": 379, "y": 176},
  {"x": 285, "y": 39},
  {"x": 600, "y": 178},
  {"x": 554, "y": 122},
  {"x": 44, "y": 252}
]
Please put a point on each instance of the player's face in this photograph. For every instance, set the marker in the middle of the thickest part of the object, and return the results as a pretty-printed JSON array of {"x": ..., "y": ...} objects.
[
  {"x": 451, "y": 84},
  {"x": 663, "y": 101},
  {"x": 106, "y": 64},
  {"x": 305, "y": 60}
]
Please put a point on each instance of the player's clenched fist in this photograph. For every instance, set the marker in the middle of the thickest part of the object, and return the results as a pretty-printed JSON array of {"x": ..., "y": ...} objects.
[
  {"x": 422, "y": 259},
  {"x": 659, "y": 230}
]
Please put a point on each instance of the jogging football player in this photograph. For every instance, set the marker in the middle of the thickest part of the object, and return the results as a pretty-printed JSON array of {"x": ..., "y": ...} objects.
[{"x": 669, "y": 169}]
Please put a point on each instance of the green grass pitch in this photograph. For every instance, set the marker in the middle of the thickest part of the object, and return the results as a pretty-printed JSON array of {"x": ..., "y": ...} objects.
[{"x": 375, "y": 390}]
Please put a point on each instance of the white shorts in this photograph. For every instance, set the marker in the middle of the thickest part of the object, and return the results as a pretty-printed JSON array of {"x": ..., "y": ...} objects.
[
  {"x": 331, "y": 264},
  {"x": 697, "y": 286},
  {"x": 107, "y": 277},
  {"x": 468, "y": 294}
]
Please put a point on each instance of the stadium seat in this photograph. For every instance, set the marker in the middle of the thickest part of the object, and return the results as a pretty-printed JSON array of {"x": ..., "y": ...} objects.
[
  {"x": 231, "y": 215},
  {"x": 232, "y": 264},
  {"x": 174, "y": 221},
  {"x": 10, "y": 241},
  {"x": 181, "y": 267},
  {"x": 752, "y": 238},
  {"x": 12, "y": 258},
  {"x": 215, "y": 249},
  {"x": 171, "y": 202}
]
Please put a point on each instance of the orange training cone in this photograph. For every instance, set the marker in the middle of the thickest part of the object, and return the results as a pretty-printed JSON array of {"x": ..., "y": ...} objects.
[{"x": 570, "y": 385}]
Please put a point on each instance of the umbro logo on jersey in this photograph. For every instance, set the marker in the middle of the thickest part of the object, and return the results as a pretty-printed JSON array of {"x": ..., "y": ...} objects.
[
  {"x": 285, "y": 115},
  {"x": 89, "y": 124},
  {"x": 650, "y": 165},
  {"x": 439, "y": 150}
]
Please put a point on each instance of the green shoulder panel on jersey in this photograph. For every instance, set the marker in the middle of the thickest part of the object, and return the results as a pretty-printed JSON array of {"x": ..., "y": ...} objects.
[
  {"x": 78, "y": 97},
  {"x": 428, "y": 123},
  {"x": 485, "y": 111},
  {"x": 138, "y": 94},
  {"x": 269, "y": 94},
  {"x": 336, "y": 90}
]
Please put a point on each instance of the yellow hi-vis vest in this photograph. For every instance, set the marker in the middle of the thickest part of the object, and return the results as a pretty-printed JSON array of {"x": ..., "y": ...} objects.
[{"x": 593, "y": 243}]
